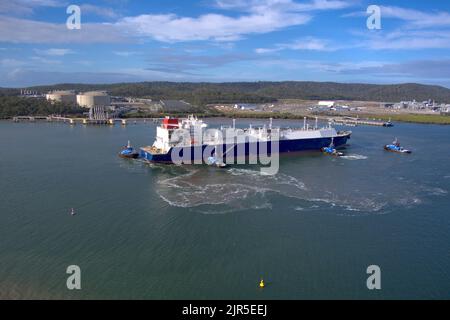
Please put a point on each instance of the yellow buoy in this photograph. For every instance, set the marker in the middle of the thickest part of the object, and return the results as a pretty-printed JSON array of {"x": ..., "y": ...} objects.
[{"x": 261, "y": 284}]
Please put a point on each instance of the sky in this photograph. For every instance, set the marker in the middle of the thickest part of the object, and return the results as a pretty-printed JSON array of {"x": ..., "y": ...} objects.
[{"x": 224, "y": 40}]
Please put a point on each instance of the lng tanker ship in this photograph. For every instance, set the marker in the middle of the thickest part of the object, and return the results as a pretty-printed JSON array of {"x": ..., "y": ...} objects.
[{"x": 190, "y": 139}]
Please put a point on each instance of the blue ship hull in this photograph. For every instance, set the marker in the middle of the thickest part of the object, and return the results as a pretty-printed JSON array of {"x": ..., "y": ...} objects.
[{"x": 285, "y": 146}]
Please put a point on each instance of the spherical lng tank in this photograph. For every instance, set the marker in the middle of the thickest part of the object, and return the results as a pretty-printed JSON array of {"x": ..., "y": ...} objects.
[
  {"x": 62, "y": 96},
  {"x": 93, "y": 99}
]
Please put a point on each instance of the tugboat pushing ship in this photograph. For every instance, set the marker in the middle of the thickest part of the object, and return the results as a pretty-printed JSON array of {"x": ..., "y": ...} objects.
[
  {"x": 128, "y": 152},
  {"x": 331, "y": 150},
  {"x": 257, "y": 140}
]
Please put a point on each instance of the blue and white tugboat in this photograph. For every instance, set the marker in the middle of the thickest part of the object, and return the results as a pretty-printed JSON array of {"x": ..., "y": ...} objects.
[
  {"x": 331, "y": 150},
  {"x": 128, "y": 152},
  {"x": 227, "y": 143},
  {"x": 215, "y": 161},
  {"x": 395, "y": 147}
]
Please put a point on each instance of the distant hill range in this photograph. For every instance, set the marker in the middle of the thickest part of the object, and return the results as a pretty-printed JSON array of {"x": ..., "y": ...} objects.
[{"x": 260, "y": 92}]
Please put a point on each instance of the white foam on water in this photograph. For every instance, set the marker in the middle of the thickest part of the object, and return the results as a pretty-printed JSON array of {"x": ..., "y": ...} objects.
[
  {"x": 278, "y": 179},
  {"x": 195, "y": 189},
  {"x": 354, "y": 157},
  {"x": 433, "y": 191},
  {"x": 240, "y": 189},
  {"x": 360, "y": 204},
  {"x": 223, "y": 191},
  {"x": 409, "y": 202}
]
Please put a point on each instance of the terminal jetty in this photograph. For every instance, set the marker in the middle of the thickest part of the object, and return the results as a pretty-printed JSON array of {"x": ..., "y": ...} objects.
[
  {"x": 85, "y": 121},
  {"x": 356, "y": 122}
]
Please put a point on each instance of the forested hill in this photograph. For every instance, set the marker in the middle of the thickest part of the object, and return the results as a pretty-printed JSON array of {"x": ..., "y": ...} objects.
[{"x": 204, "y": 93}]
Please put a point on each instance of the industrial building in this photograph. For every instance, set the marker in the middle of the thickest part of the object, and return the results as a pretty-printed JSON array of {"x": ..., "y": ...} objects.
[
  {"x": 93, "y": 99},
  {"x": 328, "y": 104},
  {"x": 62, "y": 96}
]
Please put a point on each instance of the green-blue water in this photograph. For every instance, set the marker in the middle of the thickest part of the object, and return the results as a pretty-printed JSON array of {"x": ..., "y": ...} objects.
[{"x": 166, "y": 232}]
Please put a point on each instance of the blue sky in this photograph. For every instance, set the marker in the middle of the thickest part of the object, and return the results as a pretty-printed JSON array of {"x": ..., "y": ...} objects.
[{"x": 224, "y": 40}]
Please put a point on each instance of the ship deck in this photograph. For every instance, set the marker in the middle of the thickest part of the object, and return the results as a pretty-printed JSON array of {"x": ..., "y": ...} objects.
[{"x": 152, "y": 150}]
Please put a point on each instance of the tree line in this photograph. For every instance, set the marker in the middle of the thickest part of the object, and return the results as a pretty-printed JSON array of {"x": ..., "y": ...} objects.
[
  {"x": 202, "y": 94},
  {"x": 11, "y": 106}
]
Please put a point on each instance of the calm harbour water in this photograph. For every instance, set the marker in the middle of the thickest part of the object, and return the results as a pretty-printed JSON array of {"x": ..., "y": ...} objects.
[{"x": 166, "y": 232}]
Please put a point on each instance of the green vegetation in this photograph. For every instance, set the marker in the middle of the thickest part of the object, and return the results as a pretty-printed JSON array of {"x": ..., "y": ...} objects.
[
  {"x": 413, "y": 118},
  {"x": 9, "y": 92},
  {"x": 264, "y": 115},
  {"x": 16, "y": 106},
  {"x": 202, "y": 94}
]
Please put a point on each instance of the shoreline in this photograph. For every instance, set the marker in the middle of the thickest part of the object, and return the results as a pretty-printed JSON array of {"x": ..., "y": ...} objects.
[{"x": 405, "y": 118}]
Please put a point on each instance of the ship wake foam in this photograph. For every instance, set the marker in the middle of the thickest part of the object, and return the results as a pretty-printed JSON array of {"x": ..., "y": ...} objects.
[
  {"x": 354, "y": 157},
  {"x": 220, "y": 191},
  {"x": 236, "y": 189}
]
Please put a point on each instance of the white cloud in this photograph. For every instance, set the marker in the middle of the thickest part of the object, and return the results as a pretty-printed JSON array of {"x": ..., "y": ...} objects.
[
  {"x": 172, "y": 28},
  {"x": 345, "y": 66},
  {"x": 307, "y": 44},
  {"x": 256, "y": 17},
  {"x": 125, "y": 53},
  {"x": 417, "y": 18},
  {"x": 401, "y": 39},
  {"x": 173, "y": 61},
  {"x": 10, "y": 62},
  {"x": 54, "y": 52},
  {"x": 419, "y": 69},
  {"x": 259, "y": 16},
  {"x": 26, "y": 7},
  {"x": 284, "y": 5},
  {"x": 41, "y": 60},
  {"x": 99, "y": 11},
  {"x": 420, "y": 30},
  {"x": 18, "y": 30},
  {"x": 410, "y": 40},
  {"x": 325, "y": 5},
  {"x": 267, "y": 50}
]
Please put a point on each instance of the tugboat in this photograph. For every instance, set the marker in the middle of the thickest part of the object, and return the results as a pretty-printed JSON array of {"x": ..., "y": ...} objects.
[
  {"x": 331, "y": 150},
  {"x": 128, "y": 152},
  {"x": 388, "y": 124},
  {"x": 395, "y": 147},
  {"x": 213, "y": 161}
]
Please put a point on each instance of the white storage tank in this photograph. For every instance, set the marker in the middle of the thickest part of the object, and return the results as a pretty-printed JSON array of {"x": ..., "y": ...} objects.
[
  {"x": 62, "y": 96},
  {"x": 93, "y": 99}
]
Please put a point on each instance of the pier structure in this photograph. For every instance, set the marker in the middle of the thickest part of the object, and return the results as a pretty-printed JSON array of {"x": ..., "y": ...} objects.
[
  {"x": 31, "y": 118},
  {"x": 357, "y": 122},
  {"x": 113, "y": 121},
  {"x": 72, "y": 121},
  {"x": 62, "y": 119}
]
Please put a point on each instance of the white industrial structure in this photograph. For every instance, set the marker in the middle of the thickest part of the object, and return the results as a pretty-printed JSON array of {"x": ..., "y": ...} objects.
[
  {"x": 93, "y": 99},
  {"x": 328, "y": 104},
  {"x": 98, "y": 113},
  {"x": 62, "y": 96}
]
